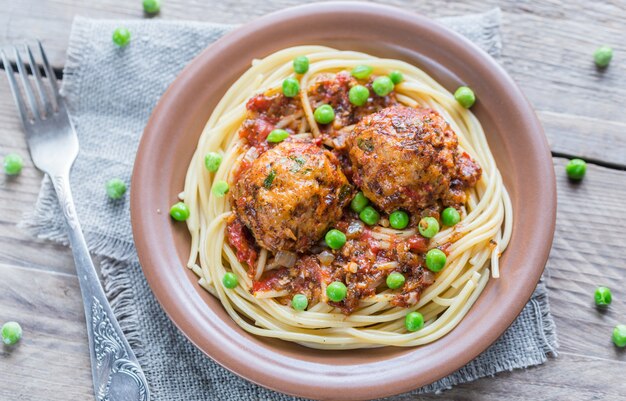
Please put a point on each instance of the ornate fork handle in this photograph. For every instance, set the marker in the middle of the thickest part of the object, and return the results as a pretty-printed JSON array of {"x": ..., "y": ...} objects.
[{"x": 115, "y": 370}]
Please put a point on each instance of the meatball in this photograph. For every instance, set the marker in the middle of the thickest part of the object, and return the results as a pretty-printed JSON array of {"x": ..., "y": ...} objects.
[
  {"x": 408, "y": 158},
  {"x": 291, "y": 195}
]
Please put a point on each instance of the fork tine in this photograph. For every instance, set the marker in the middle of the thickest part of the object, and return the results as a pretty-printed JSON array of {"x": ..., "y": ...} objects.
[
  {"x": 26, "y": 84},
  {"x": 38, "y": 82},
  {"x": 21, "y": 108},
  {"x": 49, "y": 72}
]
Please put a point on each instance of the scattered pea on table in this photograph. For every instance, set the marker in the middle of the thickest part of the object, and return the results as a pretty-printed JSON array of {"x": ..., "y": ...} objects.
[
  {"x": 576, "y": 169},
  {"x": 619, "y": 335},
  {"x": 13, "y": 164},
  {"x": 116, "y": 188},
  {"x": 152, "y": 6},
  {"x": 602, "y": 56},
  {"x": 11, "y": 333},
  {"x": 603, "y": 296},
  {"x": 121, "y": 36}
]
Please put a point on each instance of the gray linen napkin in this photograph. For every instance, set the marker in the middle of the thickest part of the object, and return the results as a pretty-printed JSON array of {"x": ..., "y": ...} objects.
[{"x": 111, "y": 93}]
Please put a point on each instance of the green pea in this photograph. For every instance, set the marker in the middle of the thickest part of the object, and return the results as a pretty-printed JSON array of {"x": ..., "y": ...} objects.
[
  {"x": 13, "y": 164},
  {"x": 291, "y": 87},
  {"x": 301, "y": 64},
  {"x": 603, "y": 296},
  {"x": 179, "y": 211},
  {"x": 428, "y": 227},
  {"x": 602, "y": 56},
  {"x": 382, "y": 86},
  {"x": 450, "y": 216},
  {"x": 362, "y": 71},
  {"x": 358, "y": 95},
  {"x": 220, "y": 188},
  {"x": 277, "y": 135},
  {"x": 396, "y": 77},
  {"x": 335, "y": 239},
  {"x": 395, "y": 280},
  {"x": 369, "y": 215},
  {"x": 465, "y": 96},
  {"x": 435, "y": 260},
  {"x": 359, "y": 202},
  {"x": 324, "y": 114},
  {"x": 336, "y": 291},
  {"x": 151, "y": 6},
  {"x": 115, "y": 188},
  {"x": 299, "y": 302},
  {"x": 414, "y": 321},
  {"x": 230, "y": 280},
  {"x": 619, "y": 335},
  {"x": 399, "y": 219},
  {"x": 121, "y": 36},
  {"x": 576, "y": 169},
  {"x": 212, "y": 161},
  {"x": 11, "y": 333}
]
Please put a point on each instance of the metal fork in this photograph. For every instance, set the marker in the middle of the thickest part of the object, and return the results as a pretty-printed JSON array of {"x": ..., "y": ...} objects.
[{"x": 53, "y": 146}]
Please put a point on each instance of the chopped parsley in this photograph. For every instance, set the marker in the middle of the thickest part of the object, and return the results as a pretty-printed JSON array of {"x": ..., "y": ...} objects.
[
  {"x": 344, "y": 191},
  {"x": 365, "y": 144},
  {"x": 267, "y": 183},
  {"x": 299, "y": 163}
]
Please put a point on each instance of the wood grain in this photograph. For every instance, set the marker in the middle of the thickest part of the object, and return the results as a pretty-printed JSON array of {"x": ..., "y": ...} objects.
[{"x": 547, "y": 49}]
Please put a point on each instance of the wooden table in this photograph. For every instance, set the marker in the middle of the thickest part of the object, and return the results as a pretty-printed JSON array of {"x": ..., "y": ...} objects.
[{"x": 547, "y": 49}]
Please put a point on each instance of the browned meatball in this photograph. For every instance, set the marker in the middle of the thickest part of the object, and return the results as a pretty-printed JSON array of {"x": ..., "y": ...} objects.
[
  {"x": 408, "y": 158},
  {"x": 291, "y": 195}
]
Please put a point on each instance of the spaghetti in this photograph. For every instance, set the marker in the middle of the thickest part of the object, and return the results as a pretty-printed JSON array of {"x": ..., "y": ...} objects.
[{"x": 473, "y": 246}]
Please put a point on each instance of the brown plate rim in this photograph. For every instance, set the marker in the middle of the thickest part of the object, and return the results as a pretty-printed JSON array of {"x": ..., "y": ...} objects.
[{"x": 298, "y": 376}]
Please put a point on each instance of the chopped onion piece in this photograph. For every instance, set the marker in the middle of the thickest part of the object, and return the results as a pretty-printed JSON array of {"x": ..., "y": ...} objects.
[
  {"x": 282, "y": 258},
  {"x": 386, "y": 265},
  {"x": 326, "y": 258},
  {"x": 355, "y": 229},
  {"x": 428, "y": 278}
]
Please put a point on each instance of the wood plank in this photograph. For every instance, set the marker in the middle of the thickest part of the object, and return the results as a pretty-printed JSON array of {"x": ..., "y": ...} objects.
[
  {"x": 49, "y": 307},
  {"x": 588, "y": 251},
  {"x": 569, "y": 377},
  {"x": 18, "y": 195},
  {"x": 547, "y": 49},
  {"x": 51, "y": 362}
]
